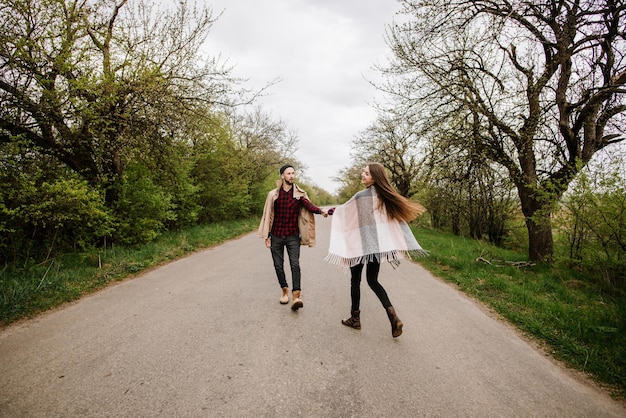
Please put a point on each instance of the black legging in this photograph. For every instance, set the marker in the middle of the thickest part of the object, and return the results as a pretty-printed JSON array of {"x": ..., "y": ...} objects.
[{"x": 373, "y": 267}]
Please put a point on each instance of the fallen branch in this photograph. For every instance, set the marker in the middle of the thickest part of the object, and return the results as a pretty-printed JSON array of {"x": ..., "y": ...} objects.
[{"x": 501, "y": 263}]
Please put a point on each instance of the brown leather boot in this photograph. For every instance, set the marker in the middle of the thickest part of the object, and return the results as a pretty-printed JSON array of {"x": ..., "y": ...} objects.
[
  {"x": 396, "y": 324},
  {"x": 284, "y": 299},
  {"x": 297, "y": 302},
  {"x": 354, "y": 321}
]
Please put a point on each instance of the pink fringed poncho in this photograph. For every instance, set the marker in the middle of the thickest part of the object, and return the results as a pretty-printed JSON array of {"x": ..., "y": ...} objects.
[{"x": 360, "y": 232}]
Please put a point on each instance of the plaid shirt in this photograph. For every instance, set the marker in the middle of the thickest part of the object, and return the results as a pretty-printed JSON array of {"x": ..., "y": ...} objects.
[{"x": 286, "y": 211}]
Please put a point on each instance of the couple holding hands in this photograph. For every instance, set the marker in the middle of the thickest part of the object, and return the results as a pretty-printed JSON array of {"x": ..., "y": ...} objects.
[{"x": 368, "y": 229}]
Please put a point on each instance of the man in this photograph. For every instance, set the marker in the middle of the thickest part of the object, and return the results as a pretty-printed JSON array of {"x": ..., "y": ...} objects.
[{"x": 288, "y": 222}]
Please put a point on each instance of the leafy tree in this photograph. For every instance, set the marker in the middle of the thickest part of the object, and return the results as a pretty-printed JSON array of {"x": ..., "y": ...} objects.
[
  {"x": 467, "y": 195},
  {"x": 222, "y": 186},
  {"x": 45, "y": 213},
  {"x": 350, "y": 179},
  {"x": 168, "y": 162},
  {"x": 266, "y": 144},
  {"x": 89, "y": 82},
  {"x": 541, "y": 83},
  {"x": 234, "y": 156},
  {"x": 144, "y": 208},
  {"x": 320, "y": 196},
  {"x": 594, "y": 220}
]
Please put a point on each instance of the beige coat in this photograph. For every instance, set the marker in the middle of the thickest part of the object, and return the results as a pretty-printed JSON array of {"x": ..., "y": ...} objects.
[{"x": 306, "y": 219}]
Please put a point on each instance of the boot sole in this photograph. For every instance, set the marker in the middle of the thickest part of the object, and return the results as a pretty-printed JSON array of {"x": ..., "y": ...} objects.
[
  {"x": 296, "y": 306},
  {"x": 350, "y": 326},
  {"x": 398, "y": 330}
]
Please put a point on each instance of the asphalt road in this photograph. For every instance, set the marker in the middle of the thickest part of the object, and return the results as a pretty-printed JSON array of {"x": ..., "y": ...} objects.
[{"x": 205, "y": 336}]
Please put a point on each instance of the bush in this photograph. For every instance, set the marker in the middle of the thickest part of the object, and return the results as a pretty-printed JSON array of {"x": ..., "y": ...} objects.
[
  {"x": 41, "y": 217},
  {"x": 143, "y": 208}
]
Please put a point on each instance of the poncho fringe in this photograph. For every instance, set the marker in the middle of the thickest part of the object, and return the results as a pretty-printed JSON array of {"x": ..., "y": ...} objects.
[{"x": 392, "y": 257}]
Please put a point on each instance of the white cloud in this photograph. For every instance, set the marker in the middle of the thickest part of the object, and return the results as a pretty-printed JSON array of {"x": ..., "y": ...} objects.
[{"x": 323, "y": 51}]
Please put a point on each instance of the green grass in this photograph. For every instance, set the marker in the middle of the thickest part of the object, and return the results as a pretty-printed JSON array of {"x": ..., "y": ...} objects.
[
  {"x": 576, "y": 317},
  {"x": 27, "y": 291}
]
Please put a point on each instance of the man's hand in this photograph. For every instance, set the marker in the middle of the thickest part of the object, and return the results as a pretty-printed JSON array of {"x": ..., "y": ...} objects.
[
  {"x": 324, "y": 214},
  {"x": 268, "y": 242}
]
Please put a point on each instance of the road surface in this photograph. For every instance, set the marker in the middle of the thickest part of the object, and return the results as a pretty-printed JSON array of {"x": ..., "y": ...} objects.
[{"x": 205, "y": 336}]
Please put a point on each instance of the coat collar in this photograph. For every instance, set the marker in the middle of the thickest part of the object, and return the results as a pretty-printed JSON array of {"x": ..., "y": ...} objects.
[{"x": 297, "y": 191}]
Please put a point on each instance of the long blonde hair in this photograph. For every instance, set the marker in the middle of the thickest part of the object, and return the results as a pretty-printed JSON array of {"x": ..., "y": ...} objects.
[{"x": 397, "y": 206}]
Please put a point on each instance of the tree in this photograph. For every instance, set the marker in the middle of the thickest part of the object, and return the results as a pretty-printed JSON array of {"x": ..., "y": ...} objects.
[
  {"x": 540, "y": 82},
  {"x": 465, "y": 193},
  {"x": 394, "y": 141},
  {"x": 91, "y": 82},
  {"x": 267, "y": 142},
  {"x": 594, "y": 220},
  {"x": 350, "y": 179}
]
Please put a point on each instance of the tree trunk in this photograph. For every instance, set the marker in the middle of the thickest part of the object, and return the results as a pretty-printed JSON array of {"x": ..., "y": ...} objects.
[
  {"x": 540, "y": 243},
  {"x": 539, "y": 225}
]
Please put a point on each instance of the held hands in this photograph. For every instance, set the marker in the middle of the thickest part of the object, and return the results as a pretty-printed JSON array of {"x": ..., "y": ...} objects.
[{"x": 329, "y": 212}]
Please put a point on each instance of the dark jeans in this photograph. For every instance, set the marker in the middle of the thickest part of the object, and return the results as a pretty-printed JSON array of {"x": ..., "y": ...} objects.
[
  {"x": 373, "y": 267},
  {"x": 278, "y": 255}
]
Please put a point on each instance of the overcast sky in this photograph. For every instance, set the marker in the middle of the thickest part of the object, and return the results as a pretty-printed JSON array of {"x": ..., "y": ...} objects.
[{"x": 323, "y": 51}]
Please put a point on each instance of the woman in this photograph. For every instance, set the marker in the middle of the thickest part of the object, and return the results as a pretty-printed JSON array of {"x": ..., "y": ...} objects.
[{"x": 370, "y": 228}]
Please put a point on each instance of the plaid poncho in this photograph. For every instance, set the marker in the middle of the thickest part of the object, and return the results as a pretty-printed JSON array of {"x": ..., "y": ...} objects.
[{"x": 360, "y": 232}]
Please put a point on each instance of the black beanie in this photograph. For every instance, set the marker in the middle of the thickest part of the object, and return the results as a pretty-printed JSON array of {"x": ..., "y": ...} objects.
[{"x": 283, "y": 168}]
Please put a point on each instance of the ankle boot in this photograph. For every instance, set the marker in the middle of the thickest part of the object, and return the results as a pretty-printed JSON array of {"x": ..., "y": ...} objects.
[
  {"x": 297, "y": 302},
  {"x": 396, "y": 324},
  {"x": 354, "y": 321},
  {"x": 284, "y": 299}
]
